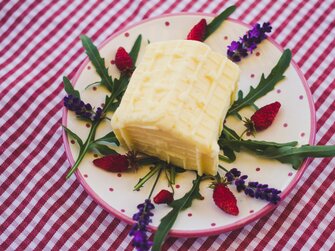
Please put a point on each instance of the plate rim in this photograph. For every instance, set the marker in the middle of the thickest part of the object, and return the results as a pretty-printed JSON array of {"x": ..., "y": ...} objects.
[{"x": 213, "y": 230}]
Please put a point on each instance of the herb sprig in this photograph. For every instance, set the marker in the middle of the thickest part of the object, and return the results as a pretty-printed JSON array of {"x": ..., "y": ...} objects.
[
  {"x": 288, "y": 153},
  {"x": 218, "y": 20},
  {"x": 177, "y": 206},
  {"x": 264, "y": 86},
  {"x": 116, "y": 87}
]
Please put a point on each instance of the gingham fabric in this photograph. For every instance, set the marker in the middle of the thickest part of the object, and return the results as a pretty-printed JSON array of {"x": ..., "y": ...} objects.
[{"x": 40, "y": 210}]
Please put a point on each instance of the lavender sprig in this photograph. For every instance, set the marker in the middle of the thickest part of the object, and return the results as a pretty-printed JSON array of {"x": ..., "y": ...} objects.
[
  {"x": 252, "y": 189},
  {"x": 246, "y": 44},
  {"x": 142, "y": 219},
  {"x": 139, "y": 229},
  {"x": 82, "y": 110}
]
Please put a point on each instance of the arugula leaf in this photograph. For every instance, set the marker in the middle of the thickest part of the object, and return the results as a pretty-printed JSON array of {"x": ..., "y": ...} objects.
[
  {"x": 177, "y": 205},
  {"x": 151, "y": 173},
  {"x": 218, "y": 20},
  {"x": 109, "y": 138},
  {"x": 68, "y": 87},
  {"x": 101, "y": 149},
  {"x": 135, "y": 49},
  {"x": 120, "y": 86},
  {"x": 73, "y": 135},
  {"x": 99, "y": 145},
  {"x": 265, "y": 85},
  {"x": 253, "y": 145},
  {"x": 296, "y": 155},
  {"x": 98, "y": 62},
  {"x": 229, "y": 155},
  {"x": 287, "y": 153}
]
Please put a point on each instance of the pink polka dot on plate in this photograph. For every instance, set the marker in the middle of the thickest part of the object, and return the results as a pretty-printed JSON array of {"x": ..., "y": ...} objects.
[
  {"x": 88, "y": 125},
  {"x": 252, "y": 75},
  {"x": 258, "y": 169},
  {"x": 225, "y": 37},
  {"x": 189, "y": 214},
  {"x": 112, "y": 61},
  {"x": 111, "y": 189},
  {"x": 167, "y": 23},
  {"x": 126, "y": 34},
  {"x": 95, "y": 155},
  {"x": 251, "y": 211},
  {"x": 119, "y": 175},
  {"x": 302, "y": 134},
  {"x": 213, "y": 224},
  {"x": 278, "y": 91},
  {"x": 122, "y": 210},
  {"x": 94, "y": 88},
  {"x": 88, "y": 67},
  {"x": 257, "y": 53},
  {"x": 301, "y": 97},
  {"x": 85, "y": 175},
  {"x": 285, "y": 125},
  {"x": 290, "y": 174},
  {"x": 72, "y": 141},
  {"x": 177, "y": 186}
]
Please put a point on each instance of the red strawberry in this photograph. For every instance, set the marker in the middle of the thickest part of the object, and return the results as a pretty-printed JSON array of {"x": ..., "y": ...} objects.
[
  {"x": 225, "y": 199},
  {"x": 163, "y": 197},
  {"x": 263, "y": 117},
  {"x": 198, "y": 31},
  {"x": 123, "y": 60},
  {"x": 113, "y": 163}
]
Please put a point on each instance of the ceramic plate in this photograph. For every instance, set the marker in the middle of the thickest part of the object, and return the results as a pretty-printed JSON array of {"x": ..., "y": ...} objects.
[{"x": 295, "y": 122}]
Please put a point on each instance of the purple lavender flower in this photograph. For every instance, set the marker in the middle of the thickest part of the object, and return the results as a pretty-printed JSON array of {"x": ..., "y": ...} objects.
[
  {"x": 248, "y": 43},
  {"x": 85, "y": 111},
  {"x": 252, "y": 189},
  {"x": 139, "y": 229}
]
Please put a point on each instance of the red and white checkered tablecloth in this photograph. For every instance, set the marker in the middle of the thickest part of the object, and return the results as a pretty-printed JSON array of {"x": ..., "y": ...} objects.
[{"x": 40, "y": 210}]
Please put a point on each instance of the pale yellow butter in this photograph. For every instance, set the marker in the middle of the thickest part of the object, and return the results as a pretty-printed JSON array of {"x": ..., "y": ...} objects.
[{"x": 176, "y": 102}]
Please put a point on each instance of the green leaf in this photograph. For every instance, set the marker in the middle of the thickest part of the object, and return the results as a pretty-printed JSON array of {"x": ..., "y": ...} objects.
[
  {"x": 218, "y": 20},
  {"x": 228, "y": 133},
  {"x": 73, "y": 135},
  {"x": 151, "y": 173},
  {"x": 68, "y": 87},
  {"x": 265, "y": 85},
  {"x": 177, "y": 205},
  {"x": 296, "y": 155},
  {"x": 120, "y": 86},
  {"x": 98, "y": 62},
  {"x": 108, "y": 138},
  {"x": 135, "y": 49},
  {"x": 229, "y": 155},
  {"x": 252, "y": 145},
  {"x": 287, "y": 153},
  {"x": 101, "y": 149}
]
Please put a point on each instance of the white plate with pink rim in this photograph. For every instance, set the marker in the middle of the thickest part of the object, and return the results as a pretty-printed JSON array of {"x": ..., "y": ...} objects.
[{"x": 295, "y": 122}]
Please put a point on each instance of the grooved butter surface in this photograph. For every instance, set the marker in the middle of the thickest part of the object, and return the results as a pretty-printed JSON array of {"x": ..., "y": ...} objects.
[{"x": 175, "y": 104}]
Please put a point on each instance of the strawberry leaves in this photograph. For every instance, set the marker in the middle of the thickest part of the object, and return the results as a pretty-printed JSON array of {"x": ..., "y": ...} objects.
[{"x": 265, "y": 85}]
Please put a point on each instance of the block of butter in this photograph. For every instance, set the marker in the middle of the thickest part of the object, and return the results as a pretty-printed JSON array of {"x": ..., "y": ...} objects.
[{"x": 175, "y": 104}]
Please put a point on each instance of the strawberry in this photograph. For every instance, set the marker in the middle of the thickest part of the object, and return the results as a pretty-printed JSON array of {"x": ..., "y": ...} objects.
[
  {"x": 198, "y": 31},
  {"x": 225, "y": 199},
  {"x": 123, "y": 61},
  {"x": 113, "y": 163},
  {"x": 163, "y": 197},
  {"x": 262, "y": 118}
]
